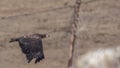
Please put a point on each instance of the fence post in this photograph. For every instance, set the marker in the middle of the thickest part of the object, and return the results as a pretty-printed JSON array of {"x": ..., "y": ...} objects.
[{"x": 74, "y": 27}]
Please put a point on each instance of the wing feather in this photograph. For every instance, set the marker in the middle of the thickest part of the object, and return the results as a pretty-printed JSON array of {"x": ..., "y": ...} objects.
[{"x": 33, "y": 48}]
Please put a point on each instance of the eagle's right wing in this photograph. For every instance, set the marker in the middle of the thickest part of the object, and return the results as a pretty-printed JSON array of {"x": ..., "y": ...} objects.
[{"x": 33, "y": 48}]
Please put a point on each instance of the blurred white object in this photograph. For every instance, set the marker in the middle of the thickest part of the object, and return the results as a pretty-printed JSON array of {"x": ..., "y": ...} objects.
[{"x": 101, "y": 58}]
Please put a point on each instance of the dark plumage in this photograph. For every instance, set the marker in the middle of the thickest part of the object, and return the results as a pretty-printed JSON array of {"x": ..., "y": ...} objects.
[{"x": 31, "y": 46}]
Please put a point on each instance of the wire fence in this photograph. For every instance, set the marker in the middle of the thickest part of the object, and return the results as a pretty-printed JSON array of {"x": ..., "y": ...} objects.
[{"x": 37, "y": 12}]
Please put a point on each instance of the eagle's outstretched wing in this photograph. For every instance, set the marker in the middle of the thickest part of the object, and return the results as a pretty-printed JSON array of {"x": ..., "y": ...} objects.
[{"x": 31, "y": 47}]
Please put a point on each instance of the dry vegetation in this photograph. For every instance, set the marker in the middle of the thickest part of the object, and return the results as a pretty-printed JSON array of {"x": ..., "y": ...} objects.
[
  {"x": 99, "y": 26},
  {"x": 100, "y": 58}
]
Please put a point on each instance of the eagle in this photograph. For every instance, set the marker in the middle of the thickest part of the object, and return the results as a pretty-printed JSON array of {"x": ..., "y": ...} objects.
[{"x": 31, "y": 46}]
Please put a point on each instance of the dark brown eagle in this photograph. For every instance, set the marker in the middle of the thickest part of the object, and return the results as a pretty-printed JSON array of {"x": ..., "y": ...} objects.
[{"x": 31, "y": 46}]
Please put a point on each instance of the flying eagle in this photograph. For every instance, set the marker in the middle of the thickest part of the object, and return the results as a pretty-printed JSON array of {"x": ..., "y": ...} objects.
[{"x": 31, "y": 46}]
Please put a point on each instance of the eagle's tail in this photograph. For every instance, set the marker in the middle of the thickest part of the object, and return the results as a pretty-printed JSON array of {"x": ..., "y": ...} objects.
[{"x": 13, "y": 39}]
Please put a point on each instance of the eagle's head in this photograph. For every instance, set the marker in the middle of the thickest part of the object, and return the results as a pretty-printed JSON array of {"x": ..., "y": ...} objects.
[{"x": 42, "y": 35}]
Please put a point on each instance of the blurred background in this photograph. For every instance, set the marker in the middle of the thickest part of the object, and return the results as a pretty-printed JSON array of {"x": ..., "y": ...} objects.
[{"x": 99, "y": 27}]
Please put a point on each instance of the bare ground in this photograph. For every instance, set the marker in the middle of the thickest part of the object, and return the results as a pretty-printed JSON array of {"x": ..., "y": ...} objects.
[{"x": 99, "y": 26}]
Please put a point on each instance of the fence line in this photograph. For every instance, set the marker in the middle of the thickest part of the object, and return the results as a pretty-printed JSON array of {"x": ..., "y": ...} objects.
[
  {"x": 32, "y": 13},
  {"x": 74, "y": 27}
]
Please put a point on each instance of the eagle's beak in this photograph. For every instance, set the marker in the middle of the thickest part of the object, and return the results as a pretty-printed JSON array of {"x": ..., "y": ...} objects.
[{"x": 47, "y": 36}]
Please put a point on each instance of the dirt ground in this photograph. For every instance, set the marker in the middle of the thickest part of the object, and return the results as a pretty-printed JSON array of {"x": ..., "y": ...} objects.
[{"x": 99, "y": 26}]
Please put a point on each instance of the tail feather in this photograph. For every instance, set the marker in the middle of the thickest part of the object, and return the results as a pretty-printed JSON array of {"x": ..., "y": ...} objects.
[{"x": 13, "y": 39}]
